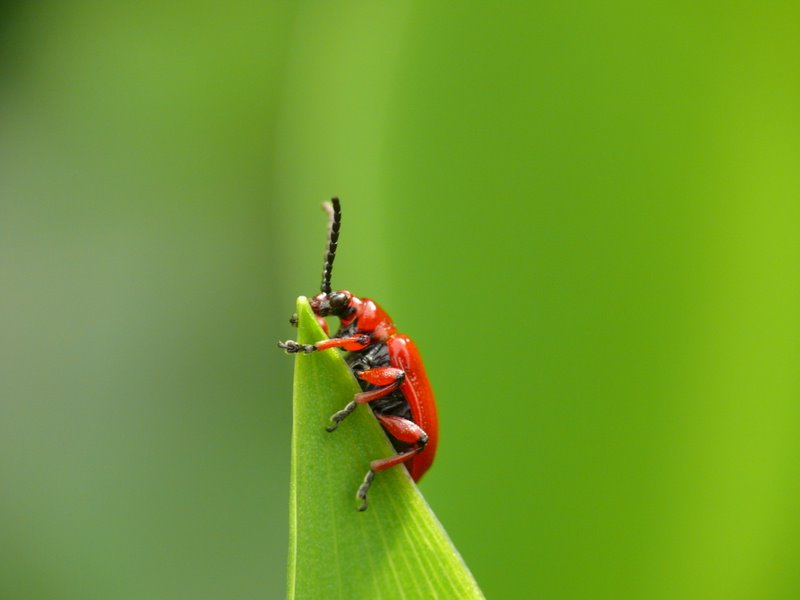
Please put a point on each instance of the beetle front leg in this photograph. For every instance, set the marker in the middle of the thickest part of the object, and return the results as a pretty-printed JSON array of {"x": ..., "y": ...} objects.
[
  {"x": 294, "y": 320},
  {"x": 351, "y": 344},
  {"x": 293, "y": 347},
  {"x": 405, "y": 431},
  {"x": 388, "y": 377}
]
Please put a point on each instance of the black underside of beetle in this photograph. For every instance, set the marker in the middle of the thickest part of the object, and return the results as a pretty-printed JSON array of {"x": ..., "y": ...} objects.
[{"x": 395, "y": 404}]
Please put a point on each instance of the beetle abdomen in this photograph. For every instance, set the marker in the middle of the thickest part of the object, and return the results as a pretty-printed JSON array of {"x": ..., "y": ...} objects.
[{"x": 394, "y": 404}]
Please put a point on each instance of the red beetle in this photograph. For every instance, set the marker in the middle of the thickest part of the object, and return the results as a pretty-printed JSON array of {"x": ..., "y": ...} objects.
[{"x": 387, "y": 365}]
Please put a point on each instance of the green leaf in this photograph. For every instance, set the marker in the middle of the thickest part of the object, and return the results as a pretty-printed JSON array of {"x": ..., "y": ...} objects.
[{"x": 395, "y": 549}]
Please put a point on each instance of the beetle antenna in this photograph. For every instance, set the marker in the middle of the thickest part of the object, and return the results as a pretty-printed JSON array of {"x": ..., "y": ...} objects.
[{"x": 334, "y": 210}]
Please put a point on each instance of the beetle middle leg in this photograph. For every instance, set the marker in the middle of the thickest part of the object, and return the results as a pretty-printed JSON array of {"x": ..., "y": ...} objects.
[{"x": 389, "y": 378}]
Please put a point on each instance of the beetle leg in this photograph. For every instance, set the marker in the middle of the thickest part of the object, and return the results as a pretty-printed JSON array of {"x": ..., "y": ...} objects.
[
  {"x": 294, "y": 320},
  {"x": 389, "y": 377},
  {"x": 351, "y": 344},
  {"x": 405, "y": 431},
  {"x": 292, "y": 347}
]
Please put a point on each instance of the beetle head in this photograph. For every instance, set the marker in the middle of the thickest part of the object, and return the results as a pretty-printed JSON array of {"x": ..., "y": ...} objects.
[{"x": 336, "y": 304}]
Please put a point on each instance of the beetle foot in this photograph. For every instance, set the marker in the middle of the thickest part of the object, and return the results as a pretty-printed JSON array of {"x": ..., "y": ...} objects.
[
  {"x": 292, "y": 347},
  {"x": 338, "y": 417},
  {"x": 361, "y": 494},
  {"x": 293, "y": 320}
]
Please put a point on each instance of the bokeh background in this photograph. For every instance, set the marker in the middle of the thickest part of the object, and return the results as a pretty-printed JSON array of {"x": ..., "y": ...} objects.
[{"x": 586, "y": 215}]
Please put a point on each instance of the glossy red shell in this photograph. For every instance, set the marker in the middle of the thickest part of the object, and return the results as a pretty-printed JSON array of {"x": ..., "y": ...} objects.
[{"x": 417, "y": 390}]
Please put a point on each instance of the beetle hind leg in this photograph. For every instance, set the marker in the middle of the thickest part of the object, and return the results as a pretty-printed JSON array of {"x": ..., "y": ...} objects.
[
  {"x": 361, "y": 494},
  {"x": 403, "y": 430}
]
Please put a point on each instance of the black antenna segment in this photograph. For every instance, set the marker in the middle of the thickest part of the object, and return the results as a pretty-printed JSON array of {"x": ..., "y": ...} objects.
[{"x": 334, "y": 210}]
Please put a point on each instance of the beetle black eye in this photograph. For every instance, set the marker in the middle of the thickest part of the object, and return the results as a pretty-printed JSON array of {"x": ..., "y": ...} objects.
[{"x": 338, "y": 301}]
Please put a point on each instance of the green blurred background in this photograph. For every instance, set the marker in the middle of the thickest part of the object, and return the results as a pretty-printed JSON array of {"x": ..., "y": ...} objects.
[{"x": 586, "y": 215}]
